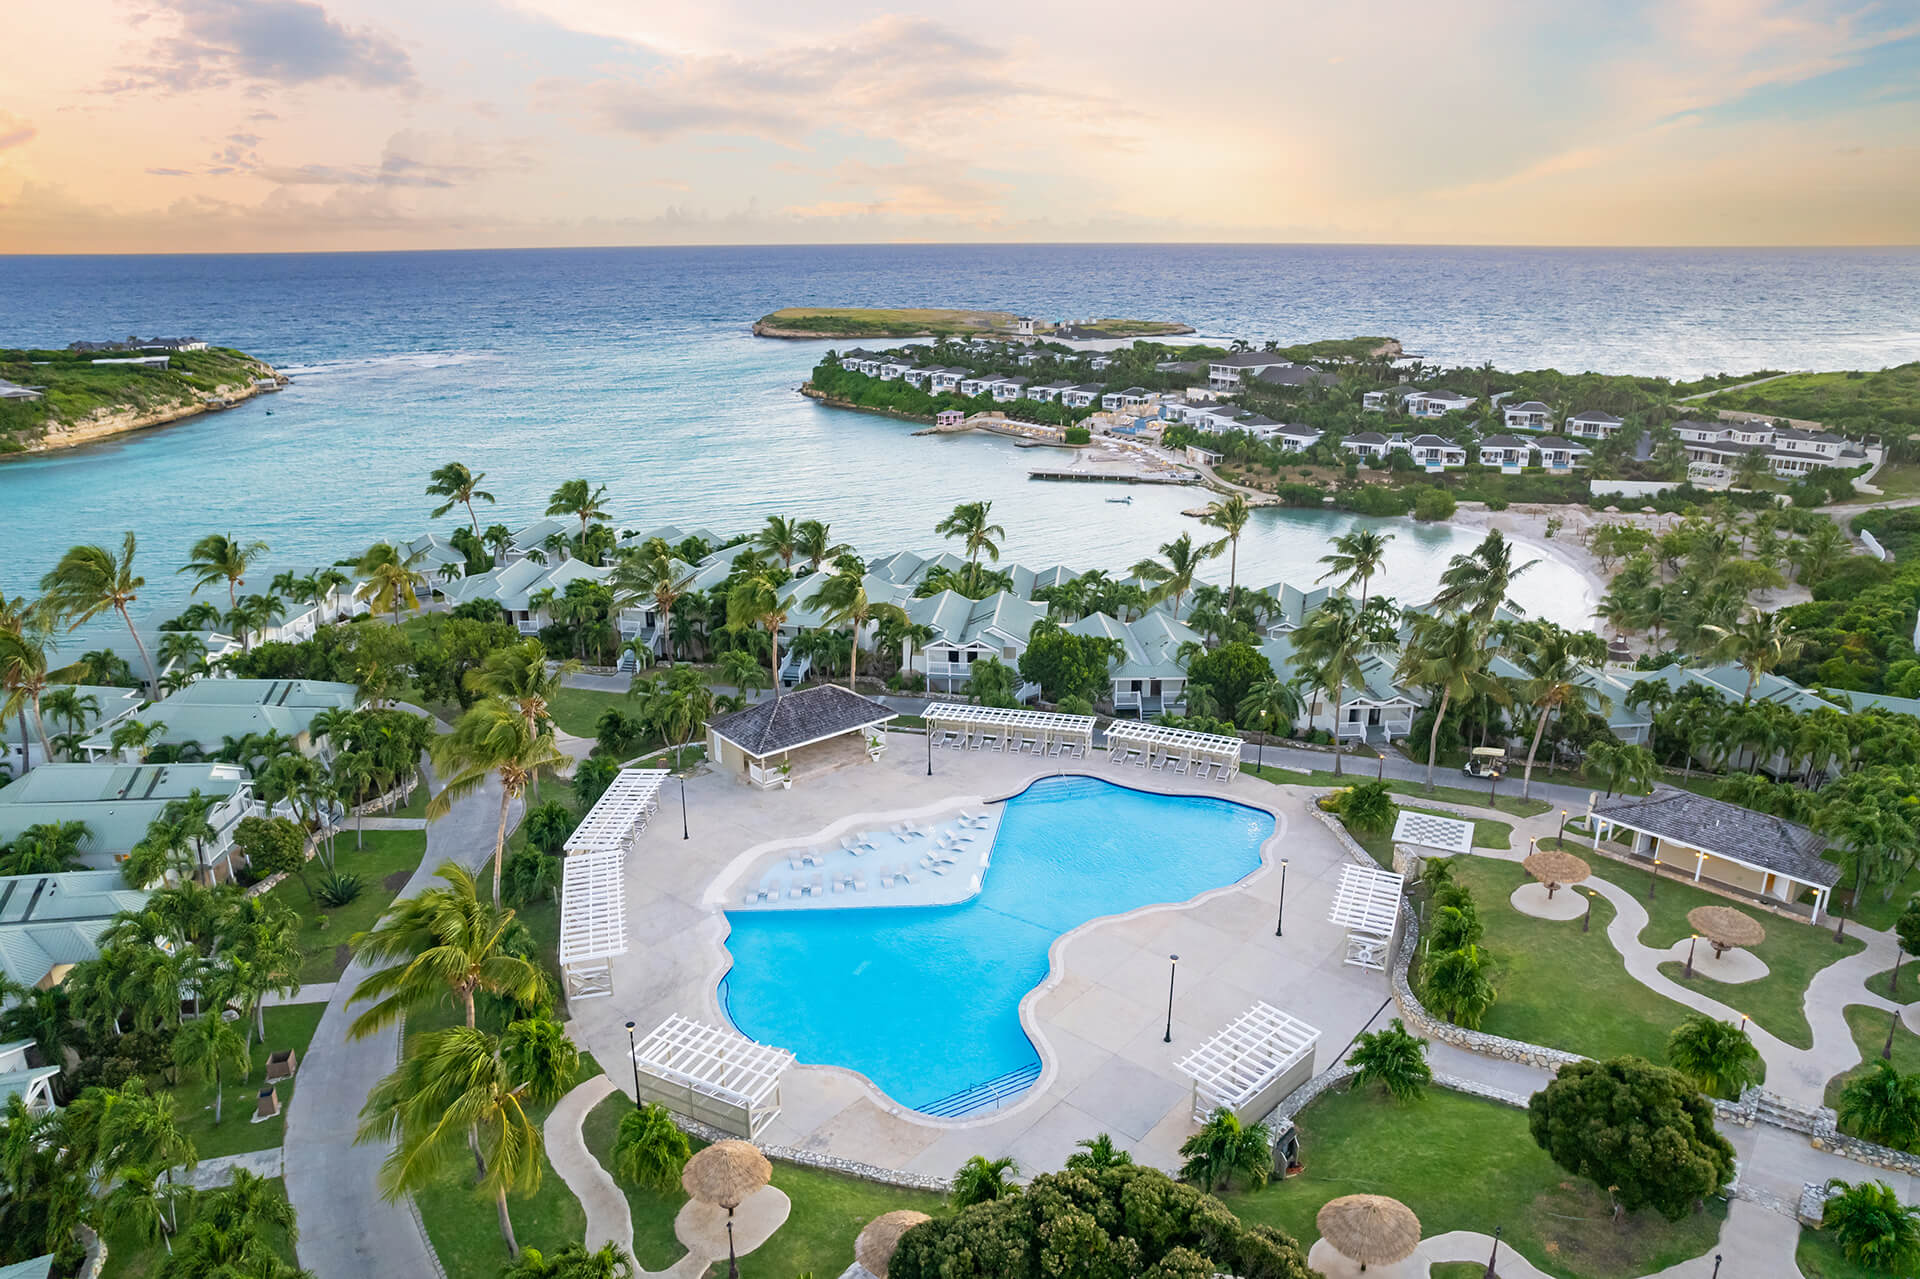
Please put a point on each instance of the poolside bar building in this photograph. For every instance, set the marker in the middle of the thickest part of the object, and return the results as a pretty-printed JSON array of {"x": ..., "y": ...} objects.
[
  {"x": 1754, "y": 853},
  {"x": 793, "y": 734}
]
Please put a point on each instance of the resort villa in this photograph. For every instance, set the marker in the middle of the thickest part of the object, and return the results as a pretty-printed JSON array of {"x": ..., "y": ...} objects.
[
  {"x": 1368, "y": 444},
  {"x": 102, "y": 707},
  {"x": 1148, "y": 676},
  {"x": 1557, "y": 453},
  {"x": 49, "y": 923},
  {"x": 966, "y": 631},
  {"x": 1789, "y": 452},
  {"x": 33, "y": 1085},
  {"x": 117, "y": 802},
  {"x": 1528, "y": 415},
  {"x": 1436, "y": 453},
  {"x": 1504, "y": 453},
  {"x": 1435, "y": 403},
  {"x": 1593, "y": 425},
  {"x": 1709, "y": 839},
  {"x": 209, "y": 712}
]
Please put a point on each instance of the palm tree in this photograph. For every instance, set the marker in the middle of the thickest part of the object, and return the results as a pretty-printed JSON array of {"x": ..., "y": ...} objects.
[
  {"x": 1230, "y": 517},
  {"x": 491, "y": 739},
  {"x": 519, "y": 676},
  {"x": 844, "y": 597},
  {"x": 983, "y": 1180},
  {"x": 1368, "y": 807},
  {"x": 1620, "y": 766},
  {"x": 757, "y": 601},
  {"x": 1334, "y": 645},
  {"x": 1357, "y": 555},
  {"x": 1450, "y": 655},
  {"x": 650, "y": 1151},
  {"x": 813, "y": 541},
  {"x": 1457, "y": 986},
  {"x": 1174, "y": 578},
  {"x": 1717, "y": 1056},
  {"x": 143, "y": 1127},
  {"x": 459, "y": 486},
  {"x": 45, "y": 848},
  {"x": 652, "y": 573},
  {"x": 1394, "y": 1058},
  {"x": 497, "y": 538},
  {"x": 147, "y": 1202},
  {"x": 779, "y": 536},
  {"x": 1096, "y": 1153},
  {"x": 1815, "y": 555},
  {"x": 1479, "y": 581},
  {"x": 1756, "y": 645},
  {"x": 209, "y": 1043},
  {"x": 571, "y": 1261},
  {"x": 87, "y": 582},
  {"x": 1553, "y": 664},
  {"x": 136, "y": 736},
  {"x": 24, "y": 681},
  {"x": 1871, "y": 1225},
  {"x": 1225, "y": 1148},
  {"x": 393, "y": 578},
  {"x": 971, "y": 523},
  {"x": 457, "y": 1086},
  {"x": 1269, "y": 705},
  {"x": 741, "y": 669},
  {"x": 579, "y": 499},
  {"x": 222, "y": 557}
]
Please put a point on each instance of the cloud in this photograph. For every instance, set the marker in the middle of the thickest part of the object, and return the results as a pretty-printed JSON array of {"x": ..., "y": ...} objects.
[
  {"x": 171, "y": 173},
  {"x": 15, "y": 131},
  {"x": 411, "y": 159},
  {"x": 280, "y": 42}
]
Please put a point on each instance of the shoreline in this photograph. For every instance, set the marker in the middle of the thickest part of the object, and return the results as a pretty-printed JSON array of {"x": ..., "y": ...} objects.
[{"x": 101, "y": 427}]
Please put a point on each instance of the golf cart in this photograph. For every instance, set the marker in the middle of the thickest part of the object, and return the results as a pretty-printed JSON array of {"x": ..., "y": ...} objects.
[{"x": 1486, "y": 762}]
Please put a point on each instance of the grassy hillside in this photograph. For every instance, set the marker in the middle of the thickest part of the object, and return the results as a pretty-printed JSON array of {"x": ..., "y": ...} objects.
[
  {"x": 76, "y": 387},
  {"x": 1854, "y": 402}
]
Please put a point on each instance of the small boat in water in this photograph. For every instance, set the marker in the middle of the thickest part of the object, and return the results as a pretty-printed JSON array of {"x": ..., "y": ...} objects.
[{"x": 1128, "y": 499}]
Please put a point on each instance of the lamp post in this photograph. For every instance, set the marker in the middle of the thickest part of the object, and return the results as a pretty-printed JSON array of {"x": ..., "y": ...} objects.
[
  {"x": 1495, "y": 1254},
  {"x": 633, "y": 1055},
  {"x": 929, "y": 728},
  {"x": 1280, "y": 920},
  {"x": 1586, "y": 920},
  {"x": 1690, "y": 945},
  {"x": 1886, "y": 1049},
  {"x": 1173, "y": 966},
  {"x": 1655, "y": 880},
  {"x": 683, "y": 808},
  {"x": 1563, "y": 825},
  {"x": 1716, "y": 1266},
  {"x": 1744, "y": 1019},
  {"x": 733, "y": 1265}
]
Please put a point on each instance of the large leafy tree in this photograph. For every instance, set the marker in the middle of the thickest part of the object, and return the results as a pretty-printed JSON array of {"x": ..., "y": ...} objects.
[
  {"x": 459, "y": 487},
  {"x": 1228, "y": 673},
  {"x": 1065, "y": 664},
  {"x": 1716, "y": 1055},
  {"x": 490, "y": 741},
  {"x": 1641, "y": 1132},
  {"x": 87, "y": 582},
  {"x": 222, "y": 558}
]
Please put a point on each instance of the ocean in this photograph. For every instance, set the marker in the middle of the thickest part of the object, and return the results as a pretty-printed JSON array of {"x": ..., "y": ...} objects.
[{"x": 635, "y": 368}]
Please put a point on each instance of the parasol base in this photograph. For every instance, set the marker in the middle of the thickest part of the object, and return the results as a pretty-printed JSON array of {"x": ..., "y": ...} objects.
[
  {"x": 1531, "y": 899},
  {"x": 703, "y": 1227},
  {"x": 1733, "y": 968},
  {"x": 1326, "y": 1259}
]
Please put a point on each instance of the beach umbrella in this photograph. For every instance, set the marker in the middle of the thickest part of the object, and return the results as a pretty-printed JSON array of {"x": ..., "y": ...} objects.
[
  {"x": 1726, "y": 928},
  {"x": 874, "y": 1248},
  {"x": 1554, "y": 869},
  {"x": 1370, "y": 1229},
  {"x": 725, "y": 1173}
]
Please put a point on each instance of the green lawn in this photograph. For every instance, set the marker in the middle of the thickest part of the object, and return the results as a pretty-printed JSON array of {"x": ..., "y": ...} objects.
[
  {"x": 1793, "y": 951},
  {"x": 577, "y": 710},
  {"x": 1557, "y": 985},
  {"x": 1877, "y": 908},
  {"x": 416, "y": 805},
  {"x": 1881, "y": 983},
  {"x": 1869, "y": 1027},
  {"x": 828, "y": 1211},
  {"x": 1465, "y": 1164},
  {"x": 1444, "y": 794},
  {"x": 384, "y": 866},
  {"x": 129, "y": 1258},
  {"x": 1819, "y": 1257},
  {"x": 290, "y": 1026}
]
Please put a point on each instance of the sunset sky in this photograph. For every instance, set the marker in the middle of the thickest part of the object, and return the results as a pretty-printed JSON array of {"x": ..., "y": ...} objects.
[{"x": 203, "y": 125}]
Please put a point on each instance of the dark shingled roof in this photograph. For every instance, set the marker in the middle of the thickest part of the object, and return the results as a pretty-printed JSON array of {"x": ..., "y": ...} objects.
[
  {"x": 1719, "y": 827},
  {"x": 794, "y": 719}
]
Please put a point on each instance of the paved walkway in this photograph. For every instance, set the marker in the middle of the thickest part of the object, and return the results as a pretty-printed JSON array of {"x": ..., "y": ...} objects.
[
  {"x": 319, "y": 992},
  {"x": 211, "y": 1173},
  {"x": 609, "y": 1220},
  {"x": 349, "y": 1230}
]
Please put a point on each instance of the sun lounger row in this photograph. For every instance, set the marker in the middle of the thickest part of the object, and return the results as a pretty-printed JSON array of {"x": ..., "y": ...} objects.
[
  {"x": 1182, "y": 763},
  {"x": 1015, "y": 742}
]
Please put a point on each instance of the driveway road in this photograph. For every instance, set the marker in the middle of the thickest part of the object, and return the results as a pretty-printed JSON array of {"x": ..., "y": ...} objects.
[{"x": 347, "y": 1231}]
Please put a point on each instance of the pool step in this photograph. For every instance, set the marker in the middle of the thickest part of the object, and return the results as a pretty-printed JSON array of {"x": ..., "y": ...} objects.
[{"x": 983, "y": 1096}]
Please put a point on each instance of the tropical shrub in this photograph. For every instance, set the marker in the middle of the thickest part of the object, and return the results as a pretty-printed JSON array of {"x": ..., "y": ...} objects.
[
  {"x": 339, "y": 889},
  {"x": 1368, "y": 806},
  {"x": 1872, "y": 1226},
  {"x": 1114, "y": 1221},
  {"x": 1394, "y": 1058},
  {"x": 982, "y": 1180},
  {"x": 1716, "y": 1055},
  {"x": 529, "y": 876},
  {"x": 1225, "y": 1148},
  {"x": 1883, "y": 1105},
  {"x": 1078, "y": 435},
  {"x": 1641, "y": 1132},
  {"x": 1091, "y": 1154},
  {"x": 1074, "y": 706},
  {"x": 650, "y": 1151},
  {"x": 271, "y": 845},
  {"x": 1455, "y": 985},
  {"x": 1433, "y": 504},
  {"x": 549, "y": 825}
]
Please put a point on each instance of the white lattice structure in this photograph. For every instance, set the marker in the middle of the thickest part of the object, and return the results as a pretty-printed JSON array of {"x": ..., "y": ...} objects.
[
  {"x": 1431, "y": 832},
  {"x": 593, "y": 920},
  {"x": 1367, "y": 905},
  {"x": 712, "y": 1075},
  {"x": 1173, "y": 750},
  {"x": 1248, "y": 1067},
  {"x": 993, "y": 728},
  {"x": 620, "y": 815}
]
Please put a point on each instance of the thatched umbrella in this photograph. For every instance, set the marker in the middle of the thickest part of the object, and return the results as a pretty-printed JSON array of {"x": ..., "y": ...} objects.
[
  {"x": 874, "y": 1248},
  {"x": 1726, "y": 928},
  {"x": 725, "y": 1173},
  {"x": 1370, "y": 1229},
  {"x": 1554, "y": 868}
]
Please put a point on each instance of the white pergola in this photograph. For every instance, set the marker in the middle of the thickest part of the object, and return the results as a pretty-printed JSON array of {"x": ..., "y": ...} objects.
[
  {"x": 994, "y": 728},
  {"x": 1174, "y": 750},
  {"x": 593, "y": 920},
  {"x": 1248, "y": 1067},
  {"x": 620, "y": 815},
  {"x": 712, "y": 1075},
  {"x": 1431, "y": 831},
  {"x": 1367, "y": 905}
]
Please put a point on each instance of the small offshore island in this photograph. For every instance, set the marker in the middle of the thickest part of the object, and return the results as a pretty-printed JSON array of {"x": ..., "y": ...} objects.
[
  {"x": 939, "y": 322},
  {"x": 95, "y": 390}
]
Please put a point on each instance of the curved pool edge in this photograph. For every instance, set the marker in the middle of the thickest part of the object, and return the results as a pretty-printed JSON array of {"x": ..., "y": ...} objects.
[{"x": 1029, "y": 1025}]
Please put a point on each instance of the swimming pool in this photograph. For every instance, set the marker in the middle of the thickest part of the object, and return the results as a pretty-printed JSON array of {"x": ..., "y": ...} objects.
[{"x": 925, "y": 1001}]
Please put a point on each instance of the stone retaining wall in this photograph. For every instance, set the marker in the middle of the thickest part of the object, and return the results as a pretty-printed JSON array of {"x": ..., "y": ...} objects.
[
  {"x": 1334, "y": 824},
  {"x": 1422, "y": 1022}
]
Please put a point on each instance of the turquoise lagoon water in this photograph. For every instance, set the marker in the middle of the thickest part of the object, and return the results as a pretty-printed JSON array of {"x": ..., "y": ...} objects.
[{"x": 924, "y": 1001}]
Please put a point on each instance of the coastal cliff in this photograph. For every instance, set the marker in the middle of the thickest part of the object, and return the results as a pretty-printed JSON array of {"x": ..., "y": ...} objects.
[{"x": 76, "y": 402}]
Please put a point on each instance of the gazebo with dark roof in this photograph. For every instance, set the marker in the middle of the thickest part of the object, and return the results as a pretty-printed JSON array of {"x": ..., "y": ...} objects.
[
  {"x": 1757, "y": 853},
  {"x": 759, "y": 740}
]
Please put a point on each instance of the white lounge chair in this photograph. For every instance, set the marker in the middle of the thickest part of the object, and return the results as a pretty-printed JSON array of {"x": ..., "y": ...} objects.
[
  {"x": 903, "y": 875},
  {"x": 793, "y": 860},
  {"x": 795, "y": 892},
  {"x": 859, "y": 883}
]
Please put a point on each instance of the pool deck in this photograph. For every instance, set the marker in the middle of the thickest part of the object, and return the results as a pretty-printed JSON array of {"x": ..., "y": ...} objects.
[{"x": 1098, "y": 1020}]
